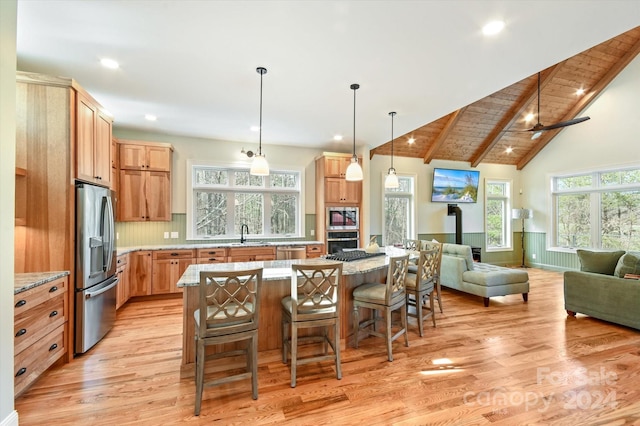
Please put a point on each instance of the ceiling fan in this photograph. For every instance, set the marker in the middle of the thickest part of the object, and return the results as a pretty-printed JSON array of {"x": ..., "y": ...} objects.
[{"x": 538, "y": 128}]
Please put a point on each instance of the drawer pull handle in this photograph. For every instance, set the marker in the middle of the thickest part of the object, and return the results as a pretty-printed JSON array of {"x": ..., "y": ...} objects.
[
  {"x": 212, "y": 258},
  {"x": 21, "y": 332},
  {"x": 52, "y": 289},
  {"x": 174, "y": 254},
  {"x": 21, "y": 371},
  {"x": 21, "y": 302},
  {"x": 54, "y": 346},
  {"x": 53, "y": 314}
]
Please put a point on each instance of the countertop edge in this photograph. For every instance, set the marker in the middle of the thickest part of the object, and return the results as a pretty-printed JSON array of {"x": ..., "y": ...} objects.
[
  {"x": 28, "y": 280},
  {"x": 125, "y": 250}
]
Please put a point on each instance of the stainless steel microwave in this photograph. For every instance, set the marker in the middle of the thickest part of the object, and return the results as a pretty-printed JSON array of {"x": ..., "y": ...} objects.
[{"x": 343, "y": 218}]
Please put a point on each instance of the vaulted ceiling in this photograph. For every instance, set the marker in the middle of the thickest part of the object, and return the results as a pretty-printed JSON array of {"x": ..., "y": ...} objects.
[{"x": 483, "y": 131}]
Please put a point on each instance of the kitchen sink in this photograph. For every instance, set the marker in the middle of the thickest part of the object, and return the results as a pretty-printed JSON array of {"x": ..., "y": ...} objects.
[{"x": 251, "y": 244}]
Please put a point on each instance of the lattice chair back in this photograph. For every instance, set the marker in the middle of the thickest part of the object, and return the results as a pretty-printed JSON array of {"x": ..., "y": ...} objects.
[
  {"x": 315, "y": 291},
  {"x": 428, "y": 266},
  {"x": 411, "y": 245},
  {"x": 395, "y": 285},
  {"x": 229, "y": 301}
]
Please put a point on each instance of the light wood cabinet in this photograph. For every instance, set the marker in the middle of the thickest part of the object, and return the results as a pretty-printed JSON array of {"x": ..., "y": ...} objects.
[
  {"x": 212, "y": 255},
  {"x": 114, "y": 164},
  {"x": 144, "y": 181},
  {"x": 140, "y": 273},
  {"x": 342, "y": 191},
  {"x": 40, "y": 316},
  {"x": 168, "y": 267},
  {"x": 58, "y": 134},
  {"x": 144, "y": 196},
  {"x": 251, "y": 254},
  {"x": 94, "y": 129},
  {"x": 315, "y": 250},
  {"x": 122, "y": 272},
  {"x": 139, "y": 155},
  {"x": 332, "y": 189}
]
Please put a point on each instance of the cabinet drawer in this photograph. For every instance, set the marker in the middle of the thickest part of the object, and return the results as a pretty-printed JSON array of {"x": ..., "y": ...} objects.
[
  {"x": 31, "y": 363},
  {"x": 212, "y": 259},
  {"x": 172, "y": 254},
  {"x": 252, "y": 251},
  {"x": 212, "y": 252},
  {"x": 313, "y": 249},
  {"x": 122, "y": 260},
  {"x": 32, "y": 297},
  {"x": 30, "y": 326}
]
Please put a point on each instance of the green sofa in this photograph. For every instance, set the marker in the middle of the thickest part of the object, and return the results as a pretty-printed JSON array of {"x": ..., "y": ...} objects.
[
  {"x": 599, "y": 289},
  {"x": 460, "y": 272}
]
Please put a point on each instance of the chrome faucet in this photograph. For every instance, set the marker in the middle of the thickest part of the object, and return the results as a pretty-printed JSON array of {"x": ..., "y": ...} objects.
[{"x": 242, "y": 228}]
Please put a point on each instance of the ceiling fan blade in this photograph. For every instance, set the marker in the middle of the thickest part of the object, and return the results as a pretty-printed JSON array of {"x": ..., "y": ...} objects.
[{"x": 561, "y": 124}]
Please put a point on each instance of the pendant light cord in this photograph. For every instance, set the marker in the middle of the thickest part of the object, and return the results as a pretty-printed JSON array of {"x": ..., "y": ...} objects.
[
  {"x": 260, "y": 135},
  {"x": 392, "y": 114},
  {"x": 354, "y": 87},
  {"x": 538, "y": 97}
]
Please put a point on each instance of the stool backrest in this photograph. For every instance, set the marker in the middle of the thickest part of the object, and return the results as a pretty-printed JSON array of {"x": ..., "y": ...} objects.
[
  {"x": 395, "y": 277},
  {"x": 229, "y": 301},
  {"x": 315, "y": 291}
]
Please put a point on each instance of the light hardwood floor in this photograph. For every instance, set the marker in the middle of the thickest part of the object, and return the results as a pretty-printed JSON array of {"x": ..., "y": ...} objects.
[{"x": 513, "y": 363}]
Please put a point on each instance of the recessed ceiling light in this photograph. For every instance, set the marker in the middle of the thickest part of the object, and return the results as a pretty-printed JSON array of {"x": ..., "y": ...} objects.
[
  {"x": 337, "y": 138},
  {"x": 255, "y": 128},
  {"x": 411, "y": 141},
  {"x": 529, "y": 117},
  {"x": 580, "y": 92},
  {"x": 109, "y": 63},
  {"x": 150, "y": 117},
  {"x": 493, "y": 28},
  {"x": 509, "y": 150}
]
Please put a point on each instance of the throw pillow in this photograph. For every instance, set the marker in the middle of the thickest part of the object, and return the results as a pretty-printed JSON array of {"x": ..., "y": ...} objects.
[
  {"x": 600, "y": 262},
  {"x": 628, "y": 264}
]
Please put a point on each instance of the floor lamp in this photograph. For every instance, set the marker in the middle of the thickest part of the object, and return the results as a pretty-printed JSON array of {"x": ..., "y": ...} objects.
[{"x": 522, "y": 214}]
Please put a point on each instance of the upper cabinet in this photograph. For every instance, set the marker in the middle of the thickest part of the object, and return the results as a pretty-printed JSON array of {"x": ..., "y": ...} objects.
[
  {"x": 137, "y": 156},
  {"x": 93, "y": 145},
  {"x": 331, "y": 170},
  {"x": 144, "y": 181}
]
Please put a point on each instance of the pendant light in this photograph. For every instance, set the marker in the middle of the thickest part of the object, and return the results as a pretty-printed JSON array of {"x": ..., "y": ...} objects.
[
  {"x": 260, "y": 167},
  {"x": 354, "y": 171},
  {"x": 391, "y": 181}
]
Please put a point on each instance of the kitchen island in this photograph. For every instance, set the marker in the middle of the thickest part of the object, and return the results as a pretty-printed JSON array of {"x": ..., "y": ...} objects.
[{"x": 276, "y": 281}]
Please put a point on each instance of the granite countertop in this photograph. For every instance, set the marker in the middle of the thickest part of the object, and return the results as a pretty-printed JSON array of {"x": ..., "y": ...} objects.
[
  {"x": 125, "y": 250},
  {"x": 281, "y": 269},
  {"x": 29, "y": 280}
]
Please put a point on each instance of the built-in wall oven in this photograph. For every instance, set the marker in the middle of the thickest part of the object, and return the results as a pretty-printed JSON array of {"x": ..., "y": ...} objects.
[
  {"x": 343, "y": 218},
  {"x": 338, "y": 241}
]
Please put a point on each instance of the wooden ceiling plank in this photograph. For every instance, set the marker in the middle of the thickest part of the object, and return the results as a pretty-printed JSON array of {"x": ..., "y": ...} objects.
[
  {"x": 451, "y": 123},
  {"x": 584, "y": 102},
  {"x": 513, "y": 115}
]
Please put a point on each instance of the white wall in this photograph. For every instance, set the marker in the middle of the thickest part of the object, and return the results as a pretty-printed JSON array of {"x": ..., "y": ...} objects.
[
  {"x": 611, "y": 138},
  {"x": 432, "y": 217},
  {"x": 8, "y": 14}
]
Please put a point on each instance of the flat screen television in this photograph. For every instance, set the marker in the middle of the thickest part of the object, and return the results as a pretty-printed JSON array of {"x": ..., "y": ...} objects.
[{"x": 454, "y": 186}]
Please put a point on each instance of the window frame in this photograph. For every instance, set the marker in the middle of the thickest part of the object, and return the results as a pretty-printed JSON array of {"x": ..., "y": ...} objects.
[
  {"x": 192, "y": 165},
  {"x": 507, "y": 217},
  {"x": 593, "y": 191},
  {"x": 412, "y": 229}
]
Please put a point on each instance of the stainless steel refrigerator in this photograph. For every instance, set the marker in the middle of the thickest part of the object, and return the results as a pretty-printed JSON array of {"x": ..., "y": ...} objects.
[{"x": 95, "y": 280}]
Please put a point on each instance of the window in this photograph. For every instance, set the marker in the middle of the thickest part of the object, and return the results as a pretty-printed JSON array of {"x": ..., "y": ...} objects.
[
  {"x": 223, "y": 198},
  {"x": 399, "y": 215},
  {"x": 598, "y": 210},
  {"x": 497, "y": 215}
]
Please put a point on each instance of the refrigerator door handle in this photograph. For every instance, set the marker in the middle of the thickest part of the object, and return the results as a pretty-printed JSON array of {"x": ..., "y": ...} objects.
[
  {"x": 89, "y": 294},
  {"x": 108, "y": 219}
]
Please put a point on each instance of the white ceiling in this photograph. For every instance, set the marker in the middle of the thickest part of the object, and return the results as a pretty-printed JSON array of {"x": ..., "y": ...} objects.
[{"x": 193, "y": 63}]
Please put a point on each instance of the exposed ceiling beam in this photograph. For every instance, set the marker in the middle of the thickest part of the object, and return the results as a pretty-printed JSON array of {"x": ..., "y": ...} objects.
[
  {"x": 451, "y": 123},
  {"x": 513, "y": 115},
  {"x": 584, "y": 102}
]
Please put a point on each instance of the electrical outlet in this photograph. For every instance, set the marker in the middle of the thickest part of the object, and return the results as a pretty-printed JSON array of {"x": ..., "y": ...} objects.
[
  {"x": 174, "y": 235},
  {"x": 313, "y": 232},
  {"x": 117, "y": 235},
  {"x": 166, "y": 235},
  {"x": 533, "y": 256}
]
